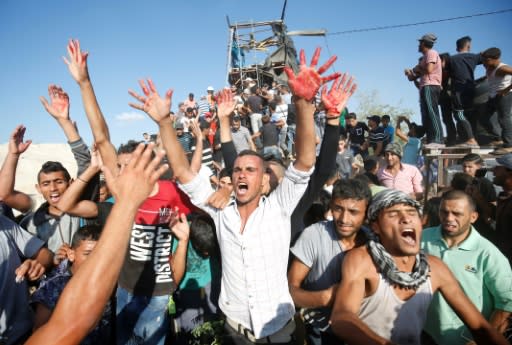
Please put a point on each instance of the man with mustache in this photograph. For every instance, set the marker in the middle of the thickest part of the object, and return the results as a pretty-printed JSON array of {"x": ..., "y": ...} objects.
[
  {"x": 482, "y": 271},
  {"x": 387, "y": 286}
]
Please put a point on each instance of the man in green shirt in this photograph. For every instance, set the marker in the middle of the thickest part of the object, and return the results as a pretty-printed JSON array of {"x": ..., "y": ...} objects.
[{"x": 482, "y": 270}]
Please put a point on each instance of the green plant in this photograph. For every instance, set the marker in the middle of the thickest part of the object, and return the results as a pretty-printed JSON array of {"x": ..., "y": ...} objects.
[{"x": 208, "y": 333}]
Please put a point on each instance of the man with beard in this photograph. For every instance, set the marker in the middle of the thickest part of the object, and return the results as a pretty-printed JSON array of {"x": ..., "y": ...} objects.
[
  {"x": 386, "y": 286},
  {"x": 315, "y": 271},
  {"x": 398, "y": 175},
  {"x": 480, "y": 268},
  {"x": 253, "y": 230}
]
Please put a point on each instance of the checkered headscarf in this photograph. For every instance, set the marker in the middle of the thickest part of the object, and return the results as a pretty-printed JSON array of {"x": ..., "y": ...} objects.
[
  {"x": 382, "y": 259},
  {"x": 388, "y": 198}
]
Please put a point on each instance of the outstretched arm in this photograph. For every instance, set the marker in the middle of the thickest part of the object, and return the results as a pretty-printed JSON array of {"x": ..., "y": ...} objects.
[
  {"x": 197, "y": 156},
  {"x": 305, "y": 86},
  {"x": 58, "y": 108},
  {"x": 87, "y": 293},
  {"x": 8, "y": 195},
  {"x": 226, "y": 105},
  {"x": 443, "y": 279},
  {"x": 159, "y": 109},
  {"x": 181, "y": 230},
  {"x": 77, "y": 65}
]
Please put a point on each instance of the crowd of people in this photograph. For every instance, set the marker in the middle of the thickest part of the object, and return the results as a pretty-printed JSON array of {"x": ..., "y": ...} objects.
[{"x": 263, "y": 214}]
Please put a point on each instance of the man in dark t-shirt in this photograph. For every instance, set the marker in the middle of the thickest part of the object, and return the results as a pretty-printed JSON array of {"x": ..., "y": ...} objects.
[
  {"x": 377, "y": 137},
  {"x": 356, "y": 134},
  {"x": 462, "y": 75}
]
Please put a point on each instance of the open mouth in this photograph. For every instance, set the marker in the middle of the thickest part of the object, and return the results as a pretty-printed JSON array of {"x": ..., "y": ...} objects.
[
  {"x": 409, "y": 236},
  {"x": 242, "y": 188},
  {"x": 54, "y": 198}
]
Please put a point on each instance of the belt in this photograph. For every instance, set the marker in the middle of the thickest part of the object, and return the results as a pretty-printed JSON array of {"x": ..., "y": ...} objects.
[{"x": 284, "y": 335}]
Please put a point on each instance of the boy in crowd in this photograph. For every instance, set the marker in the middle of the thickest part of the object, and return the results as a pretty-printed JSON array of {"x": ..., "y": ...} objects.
[{"x": 45, "y": 298}]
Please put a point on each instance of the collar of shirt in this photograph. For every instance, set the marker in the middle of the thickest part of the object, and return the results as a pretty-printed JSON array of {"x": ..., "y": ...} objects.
[{"x": 470, "y": 243}]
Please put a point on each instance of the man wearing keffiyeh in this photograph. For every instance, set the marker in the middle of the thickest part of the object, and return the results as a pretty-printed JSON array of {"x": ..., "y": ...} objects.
[{"x": 387, "y": 286}]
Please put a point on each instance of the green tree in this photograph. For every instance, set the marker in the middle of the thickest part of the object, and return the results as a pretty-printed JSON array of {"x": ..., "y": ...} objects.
[{"x": 370, "y": 104}]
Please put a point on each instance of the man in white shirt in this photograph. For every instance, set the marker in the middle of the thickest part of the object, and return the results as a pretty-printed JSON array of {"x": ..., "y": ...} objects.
[{"x": 253, "y": 230}]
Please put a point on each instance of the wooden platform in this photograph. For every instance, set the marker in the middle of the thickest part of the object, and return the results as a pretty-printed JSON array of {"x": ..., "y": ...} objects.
[{"x": 447, "y": 157}]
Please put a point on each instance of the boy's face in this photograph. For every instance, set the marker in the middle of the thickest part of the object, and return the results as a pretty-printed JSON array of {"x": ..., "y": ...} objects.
[
  {"x": 52, "y": 186},
  {"x": 104, "y": 193},
  {"x": 225, "y": 182},
  {"x": 79, "y": 254},
  {"x": 385, "y": 122}
]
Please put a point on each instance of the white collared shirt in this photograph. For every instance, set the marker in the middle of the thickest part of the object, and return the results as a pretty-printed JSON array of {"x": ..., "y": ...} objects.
[{"x": 254, "y": 287}]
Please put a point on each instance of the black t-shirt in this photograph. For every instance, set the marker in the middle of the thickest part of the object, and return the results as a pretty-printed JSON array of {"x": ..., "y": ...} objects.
[
  {"x": 486, "y": 189},
  {"x": 462, "y": 69},
  {"x": 290, "y": 119},
  {"x": 269, "y": 135},
  {"x": 356, "y": 133},
  {"x": 255, "y": 102}
]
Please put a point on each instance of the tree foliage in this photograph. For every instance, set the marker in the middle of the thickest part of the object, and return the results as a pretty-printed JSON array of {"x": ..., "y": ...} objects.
[{"x": 370, "y": 104}]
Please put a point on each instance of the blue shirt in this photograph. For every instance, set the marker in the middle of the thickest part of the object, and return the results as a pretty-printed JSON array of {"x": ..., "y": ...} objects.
[
  {"x": 411, "y": 151},
  {"x": 390, "y": 131}
]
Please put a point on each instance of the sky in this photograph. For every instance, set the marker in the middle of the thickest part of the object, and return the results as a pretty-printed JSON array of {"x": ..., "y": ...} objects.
[{"x": 183, "y": 45}]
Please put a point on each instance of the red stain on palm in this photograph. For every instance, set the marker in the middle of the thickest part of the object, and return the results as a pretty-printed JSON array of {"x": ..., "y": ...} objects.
[
  {"x": 308, "y": 81},
  {"x": 338, "y": 96}
]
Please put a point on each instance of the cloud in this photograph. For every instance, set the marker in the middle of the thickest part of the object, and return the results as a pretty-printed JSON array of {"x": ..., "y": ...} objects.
[{"x": 129, "y": 117}]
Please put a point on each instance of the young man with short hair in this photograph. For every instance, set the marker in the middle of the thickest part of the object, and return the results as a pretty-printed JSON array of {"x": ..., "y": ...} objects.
[
  {"x": 387, "y": 286},
  {"x": 315, "y": 271},
  {"x": 388, "y": 128},
  {"x": 398, "y": 175},
  {"x": 429, "y": 72},
  {"x": 482, "y": 271},
  {"x": 356, "y": 134},
  {"x": 462, "y": 76},
  {"x": 45, "y": 298},
  {"x": 246, "y": 227},
  {"x": 377, "y": 137},
  {"x": 499, "y": 76}
]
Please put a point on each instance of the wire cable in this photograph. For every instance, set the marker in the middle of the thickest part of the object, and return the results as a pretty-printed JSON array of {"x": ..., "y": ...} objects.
[{"x": 418, "y": 23}]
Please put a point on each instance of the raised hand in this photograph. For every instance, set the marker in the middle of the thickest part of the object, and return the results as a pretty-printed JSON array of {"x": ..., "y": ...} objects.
[
  {"x": 96, "y": 160},
  {"x": 196, "y": 130},
  {"x": 16, "y": 144},
  {"x": 58, "y": 107},
  {"x": 337, "y": 97},
  {"x": 77, "y": 62},
  {"x": 308, "y": 81},
  {"x": 156, "y": 107},
  {"x": 136, "y": 180},
  {"x": 180, "y": 228},
  {"x": 225, "y": 103}
]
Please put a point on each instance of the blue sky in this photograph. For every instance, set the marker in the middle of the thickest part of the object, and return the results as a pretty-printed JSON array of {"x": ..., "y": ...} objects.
[{"x": 183, "y": 45}]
